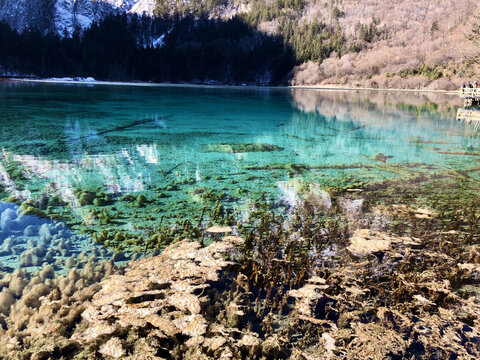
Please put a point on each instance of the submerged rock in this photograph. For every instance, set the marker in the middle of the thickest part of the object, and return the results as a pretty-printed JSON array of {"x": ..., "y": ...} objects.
[
  {"x": 219, "y": 229},
  {"x": 163, "y": 284},
  {"x": 30, "y": 230},
  {"x": 380, "y": 157},
  {"x": 366, "y": 241},
  {"x": 113, "y": 348},
  {"x": 405, "y": 211},
  {"x": 7, "y": 219},
  {"x": 240, "y": 148},
  {"x": 167, "y": 297}
]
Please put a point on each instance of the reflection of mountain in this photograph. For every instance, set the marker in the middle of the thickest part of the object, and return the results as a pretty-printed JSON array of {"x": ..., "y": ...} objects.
[
  {"x": 386, "y": 105},
  {"x": 345, "y": 127},
  {"x": 320, "y": 140},
  {"x": 44, "y": 137},
  {"x": 121, "y": 171},
  {"x": 95, "y": 141},
  {"x": 100, "y": 137}
]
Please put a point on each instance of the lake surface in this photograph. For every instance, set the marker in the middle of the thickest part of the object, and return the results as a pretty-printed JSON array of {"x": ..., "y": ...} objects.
[{"x": 131, "y": 158}]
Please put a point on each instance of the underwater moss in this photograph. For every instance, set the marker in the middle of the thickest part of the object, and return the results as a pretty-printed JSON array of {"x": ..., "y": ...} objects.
[
  {"x": 29, "y": 208},
  {"x": 99, "y": 202},
  {"x": 104, "y": 217},
  {"x": 239, "y": 148},
  {"x": 86, "y": 197},
  {"x": 128, "y": 198},
  {"x": 141, "y": 201},
  {"x": 15, "y": 170}
]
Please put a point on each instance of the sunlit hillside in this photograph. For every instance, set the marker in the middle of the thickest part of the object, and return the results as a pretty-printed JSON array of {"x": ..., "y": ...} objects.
[
  {"x": 399, "y": 43},
  {"x": 361, "y": 43},
  {"x": 414, "y": 44}
]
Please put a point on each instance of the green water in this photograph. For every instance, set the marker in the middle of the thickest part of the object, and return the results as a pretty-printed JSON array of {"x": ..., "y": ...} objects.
[{"x": 184, "y": 148}]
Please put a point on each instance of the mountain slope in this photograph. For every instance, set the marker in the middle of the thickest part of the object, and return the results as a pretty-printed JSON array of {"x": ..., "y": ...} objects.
[
  {"x": 419, "y": 44},
  {"x": 364, "y": 43},
  {"x": 63, "y": 17},
  {"x": 372, "y": 43}
]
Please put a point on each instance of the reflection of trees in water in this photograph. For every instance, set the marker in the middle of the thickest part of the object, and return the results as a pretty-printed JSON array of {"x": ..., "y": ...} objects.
[
  {"x": 471, "y": 143},
  {"x": 70, "y": 137},
  {"x": 345, "y": 139},
  {"x": 360, "y": 124},
  {"x": 126, "y": 170},
  {"x": 387, "y": 105}
]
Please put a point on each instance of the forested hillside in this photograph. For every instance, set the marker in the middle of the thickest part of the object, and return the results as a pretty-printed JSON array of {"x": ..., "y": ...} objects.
[
  {"x": 194, "y": 50},
  {"x": 398, "y": 43},
  {"x": 367, "y": 43}
]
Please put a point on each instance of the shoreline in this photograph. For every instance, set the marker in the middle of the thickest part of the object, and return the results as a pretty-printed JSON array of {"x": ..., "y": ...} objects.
[{"x": 331, "y": 87}]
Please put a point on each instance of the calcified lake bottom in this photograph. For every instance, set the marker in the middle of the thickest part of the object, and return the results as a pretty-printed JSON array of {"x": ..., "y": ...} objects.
[{"x": 180, "y": 223}]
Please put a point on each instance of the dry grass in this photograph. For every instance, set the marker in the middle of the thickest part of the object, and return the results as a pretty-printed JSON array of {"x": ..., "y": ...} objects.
[{"x": 416, "y": 33}]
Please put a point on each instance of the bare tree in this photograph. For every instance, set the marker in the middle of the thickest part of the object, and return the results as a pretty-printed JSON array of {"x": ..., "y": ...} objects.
[{"x": 472, "y": 50}]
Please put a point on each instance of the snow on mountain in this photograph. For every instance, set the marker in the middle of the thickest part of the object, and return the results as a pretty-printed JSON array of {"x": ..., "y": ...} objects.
[
  {"x": 121, "y": 4},
  {"x": 134, "y": 6},
  {"x": 143, "y": 7},
  {"x": 65, "y": 16}
]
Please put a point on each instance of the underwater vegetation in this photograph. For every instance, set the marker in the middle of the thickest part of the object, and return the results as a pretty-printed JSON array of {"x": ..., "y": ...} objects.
[
  {"x": 240, "y": 148},
  {"x": 390, "y": 270},
  {"x": 14, "y": 169},
  {"x": 339, "y": 232}
]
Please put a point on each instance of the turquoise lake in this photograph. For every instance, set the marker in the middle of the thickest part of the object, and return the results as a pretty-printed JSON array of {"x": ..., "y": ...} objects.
[{"x": 79, "y": 150}]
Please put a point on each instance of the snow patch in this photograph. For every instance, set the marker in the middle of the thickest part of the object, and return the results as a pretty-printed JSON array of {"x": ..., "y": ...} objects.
[
  {"x": 143, "y": 7},
  {"x": 83, "y": 21},
  {"x": 158, "y": 42},
  {"x": 69, "y": 79},
  {"x": 63, "y": 17}
]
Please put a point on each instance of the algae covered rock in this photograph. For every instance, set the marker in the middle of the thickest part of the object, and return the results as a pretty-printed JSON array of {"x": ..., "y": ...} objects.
[
  {"x": 380, "y": 157},
  {"x": 366, "y": 241},
  {"x": 219, "y": 230},
  {"x": 224, "y": 148},
  {"x": 166, "y": 296}
]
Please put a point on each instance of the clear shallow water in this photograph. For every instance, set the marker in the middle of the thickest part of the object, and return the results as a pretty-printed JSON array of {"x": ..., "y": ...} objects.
[
  {"x": 30, "y": 242},
  {"x": 175, "y": 144}
]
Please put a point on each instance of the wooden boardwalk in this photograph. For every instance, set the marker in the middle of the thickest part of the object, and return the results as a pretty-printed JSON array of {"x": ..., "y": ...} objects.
[
  {"x": 470, "y": 93},
  {"x": 471, "y": 96}
]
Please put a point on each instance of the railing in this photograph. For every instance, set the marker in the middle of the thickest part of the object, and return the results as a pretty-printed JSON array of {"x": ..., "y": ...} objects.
[{"x": 470, "y": 93}]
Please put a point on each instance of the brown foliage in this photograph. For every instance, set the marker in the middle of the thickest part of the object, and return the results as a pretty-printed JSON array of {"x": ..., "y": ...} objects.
[{"x": 416, "y": 33}]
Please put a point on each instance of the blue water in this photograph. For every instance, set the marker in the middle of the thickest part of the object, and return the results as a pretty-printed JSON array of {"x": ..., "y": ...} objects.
[{"x": 174, "y": 144}]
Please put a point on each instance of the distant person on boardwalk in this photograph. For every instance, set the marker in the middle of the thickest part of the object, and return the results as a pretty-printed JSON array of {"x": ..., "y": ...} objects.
[
  {"x": 469, "y": 85},
  {"x": 475, "y": 84},
  {"x": 463, "y": 86}
]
